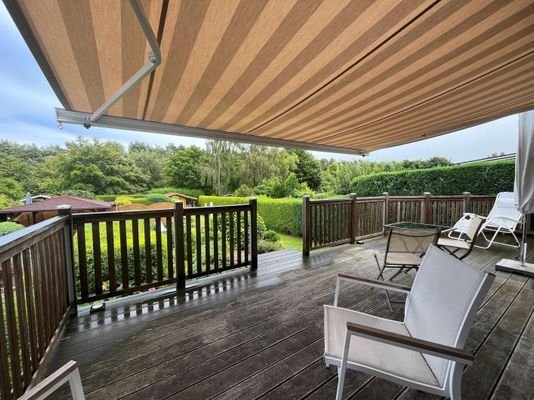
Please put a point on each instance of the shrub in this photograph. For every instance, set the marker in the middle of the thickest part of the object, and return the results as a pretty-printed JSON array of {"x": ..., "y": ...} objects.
[
  {"x": 123, "y": 200},
  {"x": 265, "y": 246},
  {"x": 8, "y": 227},
  {"x": 157, "y": 198},
  {"x": 243, "y": 191},
  {"x": 106, "y": 197},
  {"x": 188, "y": 192},
  {"x": 480, "y": 178},
  {"x": 271, "y": 236},
  {"x": 280, "y": 215}
]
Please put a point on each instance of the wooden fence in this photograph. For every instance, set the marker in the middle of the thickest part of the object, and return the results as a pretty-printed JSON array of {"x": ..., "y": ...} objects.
[
  {"x": 34, "y": 299},
  {"x": 117, "y": 253},
  {"x": 331, "y": 222}
]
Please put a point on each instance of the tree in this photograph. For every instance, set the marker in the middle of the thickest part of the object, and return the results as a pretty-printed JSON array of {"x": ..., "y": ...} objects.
[
  {"x": 184, "y": 168},
  {"x": 98, "y": 167},
  {"x": 220, "y": 168},
  {"x": 307, "y": 169}
]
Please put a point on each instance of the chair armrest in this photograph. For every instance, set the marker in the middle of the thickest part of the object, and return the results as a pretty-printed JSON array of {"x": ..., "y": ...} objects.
[
  {"x": 67, "y": 373},
  {"x": 411, "y": 343},
  {"x": 369, "y": 282},
  {"x": 376, "y": 283}
]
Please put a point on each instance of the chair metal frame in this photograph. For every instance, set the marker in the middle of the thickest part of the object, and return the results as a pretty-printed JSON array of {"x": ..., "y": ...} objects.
[
  {"x": 457, "y": 357},
  {"x": 467, "y": 235},
  {"x": 67, "y": 373}
]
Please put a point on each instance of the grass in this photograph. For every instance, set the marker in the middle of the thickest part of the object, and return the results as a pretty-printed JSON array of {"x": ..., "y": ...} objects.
[{"x": 291, "y": 242}]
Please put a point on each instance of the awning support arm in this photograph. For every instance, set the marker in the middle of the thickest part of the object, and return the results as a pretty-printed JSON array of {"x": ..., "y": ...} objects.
[{"x": 154, "y": 59}]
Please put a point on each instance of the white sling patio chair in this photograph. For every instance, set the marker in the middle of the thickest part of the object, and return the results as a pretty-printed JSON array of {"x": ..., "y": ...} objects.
[
  {"x": 504, "y": 217},
  {"x": 425, "y": 351},
  {"x": 462, "y": 244}
]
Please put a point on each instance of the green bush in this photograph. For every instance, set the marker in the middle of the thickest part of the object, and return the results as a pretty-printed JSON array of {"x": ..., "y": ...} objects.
[
  {"x": 157, "y": 198},
  {"x": 106, "y": 197},
  {"x": 8, "y": 227},
  {"x": 265, "y": 246},
  {"x": 280, "y": 215},
  {"x": 123, "y": 200},
  {"x": 186, "y": 191},
  {"x": 479, "y": 178},
  {"x": 271, "y": 236}
]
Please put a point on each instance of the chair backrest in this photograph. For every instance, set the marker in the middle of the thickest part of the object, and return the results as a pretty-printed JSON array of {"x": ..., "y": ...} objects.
[
  {"x": 442, "y": 303},
  {"x": 504, "y": 211},
  {"x": 414, "y": 241},
  {"x": 473, "y": 226}
]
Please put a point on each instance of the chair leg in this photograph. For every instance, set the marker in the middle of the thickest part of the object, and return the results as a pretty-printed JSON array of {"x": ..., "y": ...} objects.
[
  {"x": 389, "y": 301},
  {"x": 342, "y": 369}
]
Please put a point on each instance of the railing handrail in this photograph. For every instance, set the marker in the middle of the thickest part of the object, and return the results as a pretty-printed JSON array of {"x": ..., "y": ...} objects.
[{"x": 22, "y": 239}]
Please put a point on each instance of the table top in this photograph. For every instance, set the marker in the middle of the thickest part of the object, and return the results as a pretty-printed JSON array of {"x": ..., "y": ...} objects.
[{"x": 415, "y": 225}]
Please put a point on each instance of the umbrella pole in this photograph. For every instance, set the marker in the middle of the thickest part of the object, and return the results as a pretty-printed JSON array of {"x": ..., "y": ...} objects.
[{"x": 518, "y": 266}]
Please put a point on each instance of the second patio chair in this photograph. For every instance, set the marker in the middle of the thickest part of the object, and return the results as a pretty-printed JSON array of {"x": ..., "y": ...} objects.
[
  {"x": 405, "y": 249},
  {"x": 461, "y": 244}
]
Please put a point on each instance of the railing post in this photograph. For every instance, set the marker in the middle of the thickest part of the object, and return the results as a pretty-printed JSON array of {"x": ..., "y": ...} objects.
[
  {"x": 426, "y": 211},
  {"x": 179, "y": 246},
  {"x": 385, "y": 212},
  {"x": 353, "y": 216},
  {"x": 62, "y": 211},
  {"x": 253, "y": 233},
  {"x": 306, "y": 225},
  {"x": 467, "y": 202}
]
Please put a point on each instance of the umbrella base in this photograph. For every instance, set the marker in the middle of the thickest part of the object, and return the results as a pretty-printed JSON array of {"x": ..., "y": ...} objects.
[{"x": 515, "y": 266}]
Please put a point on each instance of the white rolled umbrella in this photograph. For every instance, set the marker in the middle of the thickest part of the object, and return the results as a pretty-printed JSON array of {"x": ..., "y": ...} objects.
[{"x": 524, "y": 190}]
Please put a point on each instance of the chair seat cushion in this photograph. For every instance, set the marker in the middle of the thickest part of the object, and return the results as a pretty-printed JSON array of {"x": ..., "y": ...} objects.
[
  {"x": 461, "y": 244},
  {"x": 394, "y": 258},
  {"x": 372, "y": 354}
]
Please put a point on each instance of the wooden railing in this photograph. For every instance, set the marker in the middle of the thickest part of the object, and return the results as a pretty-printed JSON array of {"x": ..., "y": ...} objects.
[
  {"x": 331, "y": 222},
  {"x": 35, "y": 296},
  {"x": 117, "y": 253}
]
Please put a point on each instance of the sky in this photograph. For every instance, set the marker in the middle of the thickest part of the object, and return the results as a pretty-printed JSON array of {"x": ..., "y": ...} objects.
[{"x": 28, "y": 102}]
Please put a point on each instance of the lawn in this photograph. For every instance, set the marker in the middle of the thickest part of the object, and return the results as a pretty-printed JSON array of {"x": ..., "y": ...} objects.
[{"x": 291, "y": 242}]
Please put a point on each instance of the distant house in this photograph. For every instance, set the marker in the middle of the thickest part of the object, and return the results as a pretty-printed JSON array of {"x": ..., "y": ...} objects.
[
  {"x": 185, "y": 199},
  {"x": 29, "y": 214}
]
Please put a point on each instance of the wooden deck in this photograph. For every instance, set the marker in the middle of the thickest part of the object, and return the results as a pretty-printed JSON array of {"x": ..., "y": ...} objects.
[{"x": 260, "y": 335}]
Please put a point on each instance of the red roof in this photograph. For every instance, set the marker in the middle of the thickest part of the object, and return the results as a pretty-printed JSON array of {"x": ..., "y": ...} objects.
[{"x": 76, "y": 203}]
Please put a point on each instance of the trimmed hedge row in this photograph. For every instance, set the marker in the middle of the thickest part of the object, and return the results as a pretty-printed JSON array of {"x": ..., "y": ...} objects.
[
  {"x": 480, "y": 178},
  {"x": 280, "y": 215}
]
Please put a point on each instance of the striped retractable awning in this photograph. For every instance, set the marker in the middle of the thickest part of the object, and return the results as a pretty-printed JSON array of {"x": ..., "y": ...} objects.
[{"x": 352, "y": 75}]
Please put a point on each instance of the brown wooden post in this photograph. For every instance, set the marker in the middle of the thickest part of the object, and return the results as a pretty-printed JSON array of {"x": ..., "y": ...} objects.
[
  {"x": 306, "y": 225},
  {"x": 253, "y": 233},
  {"x": 426, "y": 211},
  {"x": 353, "y": 216},
  {"x": 179, "y": 246},
  {"x": 62, "y": 211},
  {"x": 467, "y": 202},
  {"x": 385, "y": 212}
]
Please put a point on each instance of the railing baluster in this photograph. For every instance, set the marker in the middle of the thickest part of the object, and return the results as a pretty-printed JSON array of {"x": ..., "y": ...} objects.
[
  {"x": 148, "y": 251},
  {"x": 159, "y": 250},
  {"x": 30, "y": 302},
  {"x": 198, "y": 246},
  {"x": 82, "y": 260},
  {"x": 5, "y": 387},
  {"x": 111, "y": 257},
  {"x": 207, "y": 241},
  {"x": 170, "y": 257},
  {"x": 12, "y": 332},
  {"x": 97, "y": 257},
  {"x": 189, "y": 246},
  {"x": 136, "y": 252},
  {"x": 231, "y": 221},
  {"x": 215, "y": 241},
  {"x": 245, "y": 222},
  {"x": 22, "y": 317},
  {"x": 124, "y": 254},
  {"x": 223, "y": 238},
  {"x": 238, "y": 226}
]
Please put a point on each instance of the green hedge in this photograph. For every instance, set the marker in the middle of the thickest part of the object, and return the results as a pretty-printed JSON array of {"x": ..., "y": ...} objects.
[
  {"x": 280, "y": 215},
  {"x": 106, "y": 197},
  {"x": 186, "y": 191},
  {"x": 480, "y": 178},
  {"x": 8, "y": 227}
]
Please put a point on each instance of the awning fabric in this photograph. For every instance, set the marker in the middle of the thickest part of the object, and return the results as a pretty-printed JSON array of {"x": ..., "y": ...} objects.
[{"x": 355, "y": 74}]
